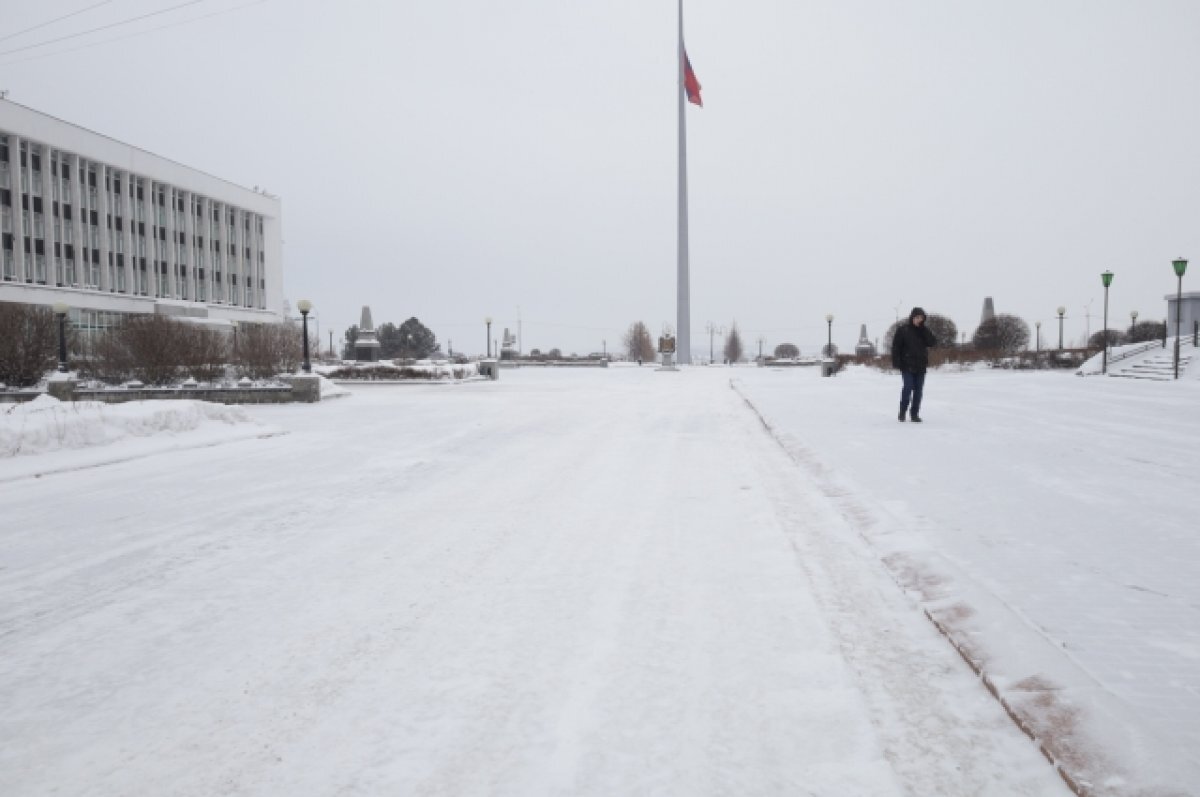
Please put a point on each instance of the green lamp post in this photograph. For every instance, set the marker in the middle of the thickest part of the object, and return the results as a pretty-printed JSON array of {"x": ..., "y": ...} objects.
[
  {"x": 1106, "y": 278},
  {"x": 1180, "y": 266}
]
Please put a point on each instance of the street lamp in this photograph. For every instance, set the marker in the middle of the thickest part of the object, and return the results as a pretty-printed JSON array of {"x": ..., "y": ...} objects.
[
  {"x": 234, "y": 324},
  {"x": 712, "y": 330},
  {"x": 60, "y": 310},
  {"x": 1062, "y": 311},
  {"x": 1180, "y": 266},
  {"x": 1038, "y": 324},
  {"x": 1133, "y": 314},
  {"x": 829, "y": 337},
  {"x": 1105, "y": 278},
  {"x": 488, "y": 321},
  {"x": 304, "y": 305}
]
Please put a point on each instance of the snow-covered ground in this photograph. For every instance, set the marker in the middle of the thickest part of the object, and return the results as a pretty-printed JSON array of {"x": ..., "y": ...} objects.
[
  {"x": 1049, "y": 523},
  {"x": 612, "y": 581}
]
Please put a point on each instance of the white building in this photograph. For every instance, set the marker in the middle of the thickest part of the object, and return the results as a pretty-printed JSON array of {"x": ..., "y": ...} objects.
[{"x": 109, "y": 229}]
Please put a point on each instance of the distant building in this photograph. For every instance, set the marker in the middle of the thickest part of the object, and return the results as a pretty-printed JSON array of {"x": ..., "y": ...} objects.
[
  {"x": 110, "y": 229},
  {"x": 1191, "y": 312},
  {"x": 508, "y": 346}
]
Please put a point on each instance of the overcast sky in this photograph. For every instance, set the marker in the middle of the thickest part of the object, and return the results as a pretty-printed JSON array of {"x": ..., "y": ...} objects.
[{"x": 453, "y": 159}]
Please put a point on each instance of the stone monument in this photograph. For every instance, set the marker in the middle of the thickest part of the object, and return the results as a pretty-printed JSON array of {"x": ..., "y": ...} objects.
[
  {"x": 989, "y": 311},
  {"x": 666, "y": 347},
  {"x": 864, "y": 347},
  {"x": 366, "y": 346}
]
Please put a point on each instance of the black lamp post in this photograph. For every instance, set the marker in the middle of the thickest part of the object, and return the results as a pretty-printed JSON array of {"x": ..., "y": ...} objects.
[
  {"x": 488, "y": 321},
  {"x": 1133, "y": 314},
  {"x": 1038, "y": 348},
  {"x": 1106, "y": 278},
  {"x": 60, "y": 310},
  {"x": 829, "y": 337},
  {"x": 1062, "y": 311},
  {"x": 304, "y": 305},
  {"x": 1180, "y": 266}
]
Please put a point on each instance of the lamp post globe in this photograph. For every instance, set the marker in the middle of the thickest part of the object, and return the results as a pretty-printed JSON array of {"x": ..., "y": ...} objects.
[
  {"x": 1106, "y": 278},
  {"x": 304, "y": 306},
  {"x": 1062, "y": 311},
  {"x": 61, "y": 310},
  {"x": 1180, "y": 265}
]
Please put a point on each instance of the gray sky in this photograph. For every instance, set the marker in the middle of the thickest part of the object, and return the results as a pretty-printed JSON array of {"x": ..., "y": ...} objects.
[{"x": 451, "y": 159}]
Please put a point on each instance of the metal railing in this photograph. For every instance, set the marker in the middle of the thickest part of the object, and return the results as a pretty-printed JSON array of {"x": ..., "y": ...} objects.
[{"x": 1142, "y": 349}]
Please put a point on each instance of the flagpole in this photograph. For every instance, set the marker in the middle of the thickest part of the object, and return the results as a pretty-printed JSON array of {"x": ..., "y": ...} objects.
[{"x": 683, "y": 326}]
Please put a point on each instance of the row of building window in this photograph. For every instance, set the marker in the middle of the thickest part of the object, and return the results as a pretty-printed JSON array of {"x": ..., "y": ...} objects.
[
  {"x": 137, "y": 281},
  {"x": 196, "y": 287}
]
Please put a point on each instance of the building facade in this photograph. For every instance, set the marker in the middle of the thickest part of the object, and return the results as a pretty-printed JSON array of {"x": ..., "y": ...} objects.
[
  {"x": 109, "y": 229},
  {"x": 1188, "y": 313}
]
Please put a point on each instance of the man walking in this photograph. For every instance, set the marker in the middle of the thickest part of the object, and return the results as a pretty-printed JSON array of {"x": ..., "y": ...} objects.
[{"x": 910, "y": 356}]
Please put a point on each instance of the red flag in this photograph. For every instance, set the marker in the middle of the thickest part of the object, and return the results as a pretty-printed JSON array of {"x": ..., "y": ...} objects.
[{"x": 690, "y": 84}]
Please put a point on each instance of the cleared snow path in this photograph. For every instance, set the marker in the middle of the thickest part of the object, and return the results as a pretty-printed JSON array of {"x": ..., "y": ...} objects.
[{"x": 585, "y": 583}]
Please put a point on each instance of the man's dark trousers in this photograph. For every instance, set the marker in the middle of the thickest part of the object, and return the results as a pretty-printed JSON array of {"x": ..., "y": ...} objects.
[{"x": 914, "y": 385}]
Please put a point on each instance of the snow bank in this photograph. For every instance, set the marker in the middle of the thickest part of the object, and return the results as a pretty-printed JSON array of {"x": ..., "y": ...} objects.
[
  {"x": 47, "y": 424},
  {"x": 422, "y": 370},
  {"x": 329, "y": 389}
]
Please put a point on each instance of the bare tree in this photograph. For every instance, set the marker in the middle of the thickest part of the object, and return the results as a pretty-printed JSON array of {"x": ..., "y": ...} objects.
[
  {"x": 787, "y": 351},
  {"x": 268, "y": 349},
  {"x": 944, "y": 330},
  {"x": 203, "y": 353},
  {"x": 1003, "y": 333},
  {"x": 28, "y": 343},
  {"x": 733, "y": 344},
  {"x": 1146, "y": 330},
  {"x": 637, "y": 342},
  {"x": 1115, "y": 338},
  {"x": 153, "y": 347}
]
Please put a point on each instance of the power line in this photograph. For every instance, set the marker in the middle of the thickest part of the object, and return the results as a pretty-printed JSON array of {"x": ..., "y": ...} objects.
[
  {"x": 102, "y": 27},
  {"x": 134, "y": 35},
  {"x": 56, "y": 19}
]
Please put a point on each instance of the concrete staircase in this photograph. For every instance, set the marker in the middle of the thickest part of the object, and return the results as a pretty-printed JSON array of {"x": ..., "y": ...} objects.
[{"x": 1157, "y": 364}]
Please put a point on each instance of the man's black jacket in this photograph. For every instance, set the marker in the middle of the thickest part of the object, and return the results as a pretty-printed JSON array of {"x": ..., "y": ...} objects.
[{"x": 910, "y": 348}]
